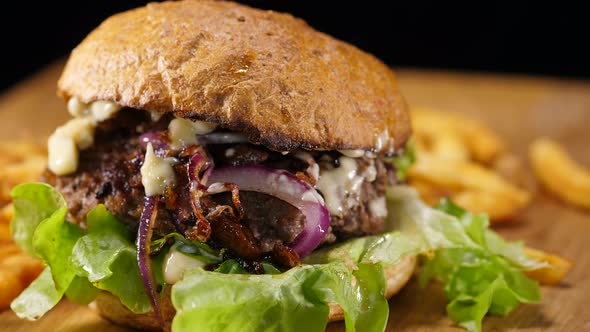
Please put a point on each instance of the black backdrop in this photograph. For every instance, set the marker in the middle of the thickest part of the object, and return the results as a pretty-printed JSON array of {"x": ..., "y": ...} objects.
[{"x": 516, "y": 36}]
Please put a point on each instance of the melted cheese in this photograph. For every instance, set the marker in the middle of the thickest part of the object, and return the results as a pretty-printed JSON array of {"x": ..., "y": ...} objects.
[
  {"x": 176, "y": 264},
  {"x": 183, "y": 132},
  {"x": 341, "y": 186},
  {"x": 63, "y": 154},
  {"x": 155, "y": 115},
  {"x": 64, "y": 143},
  {"x": 97, "y": 111},
  {"x": 156, "y": 173},
  {"x": 102, "y": 110},
  {"x": 378, "y": 208},
  {"x": 353, "y": 153},
  {"x": 78, "y": 133},
  {"x": 370, "y": 172},
  {"x": 77, "y": 108}
]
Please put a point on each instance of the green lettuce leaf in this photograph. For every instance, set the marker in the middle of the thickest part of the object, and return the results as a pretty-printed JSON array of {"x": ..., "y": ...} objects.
[
  {"x": 477, "y": 282},
  {"x": 481, "y": 272},
  {"x": 38, "y": 298},
  {"x": 477, "y": 227},
  {"x": 404, "y": 161},
  {"x": 79, "y": 263},
  {"x": 291, "y": 301},
  {"x": 483, "y": 279},
  {"x": 53, "y": 241},
  {"x": 81, "y": 291},
  {"x": 33, "y": 203},
  {"x": 106, "y": 256}
]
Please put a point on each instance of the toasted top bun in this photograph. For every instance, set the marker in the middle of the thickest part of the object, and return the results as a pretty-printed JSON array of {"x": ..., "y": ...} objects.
[
  {"x": 263, "y": 73},
  {"x": 109, "y": 306}
]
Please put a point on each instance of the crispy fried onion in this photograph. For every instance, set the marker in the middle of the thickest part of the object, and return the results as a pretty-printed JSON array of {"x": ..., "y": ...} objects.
[{"x": 199, "y": 168}]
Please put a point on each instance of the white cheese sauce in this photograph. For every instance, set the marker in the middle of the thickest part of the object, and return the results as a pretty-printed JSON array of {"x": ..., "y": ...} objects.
[
  {"x": 176, "y": 264},
  {"x": 313, "y": 169},
  {"x": 156, "y": 173},
  {"x": 353, "y": 153},
  {"x": 378, "y": 207},
  {"x": 341, "y": 185},
  {"x": 183, "y": 132},
  {"x": 76, "y": 134}
]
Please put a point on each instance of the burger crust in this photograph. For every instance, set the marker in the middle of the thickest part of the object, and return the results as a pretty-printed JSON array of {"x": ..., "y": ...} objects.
[
  {"x": 263, "y": 73},
  {"x": 110, "y": 308}
]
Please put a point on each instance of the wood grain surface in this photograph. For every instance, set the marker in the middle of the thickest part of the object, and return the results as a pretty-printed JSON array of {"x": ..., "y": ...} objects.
[{"x": 519, "y": 108}]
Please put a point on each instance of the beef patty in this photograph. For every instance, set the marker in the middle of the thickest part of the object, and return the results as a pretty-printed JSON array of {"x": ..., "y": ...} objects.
[{"x": 109, "y": 174}]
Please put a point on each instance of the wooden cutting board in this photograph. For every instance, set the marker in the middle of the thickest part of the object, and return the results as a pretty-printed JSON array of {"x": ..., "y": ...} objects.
[{"x": 519, "y": 108}]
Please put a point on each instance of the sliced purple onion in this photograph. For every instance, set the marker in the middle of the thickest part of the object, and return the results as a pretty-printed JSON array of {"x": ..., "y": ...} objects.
[
  {"x": 144, "y": 235},
  {"x": 287, "y": 187},
  {"x": 222, "y": 138}
]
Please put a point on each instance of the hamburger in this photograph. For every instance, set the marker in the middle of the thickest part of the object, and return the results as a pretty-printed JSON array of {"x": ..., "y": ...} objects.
[{"x": 228, "y": 168}]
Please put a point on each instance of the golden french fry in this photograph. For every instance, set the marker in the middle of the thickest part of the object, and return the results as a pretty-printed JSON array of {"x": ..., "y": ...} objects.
[
  {"x": 457, "y": 176},
  {"x": 17, "y": 271},
  {"x": 428, "y": 192},
  {"x": 498, "y": 207},
  {"x": 512, "y": 168},
  {"x": 28, "y": 267},
  {"x": 470, "y": 185},
  {"x": 559, "y": 173},
  {"x": 483, "y": 144},
  {"x": 10, "y": 287},
  {"x": 448, "y": 146},
  {"x": 6, "y": 214},
  {"x": 8, "y": 250},
  {"x": 554, "y": 273},
  {"x": 5, "y": 236},
  {"x": 25, "y": 170}
]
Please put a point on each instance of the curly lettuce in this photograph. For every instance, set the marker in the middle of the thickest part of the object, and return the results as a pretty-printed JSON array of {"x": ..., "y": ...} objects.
[{"x": 481, "y": 272}]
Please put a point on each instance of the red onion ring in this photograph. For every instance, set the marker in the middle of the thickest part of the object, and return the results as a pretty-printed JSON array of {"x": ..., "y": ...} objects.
[
  {"x": 144, "y": 235},
  {"x": 289, "y": 188}
]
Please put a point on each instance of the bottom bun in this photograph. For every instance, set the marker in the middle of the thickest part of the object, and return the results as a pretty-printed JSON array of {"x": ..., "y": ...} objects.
[{"x": 110, "y": 308}]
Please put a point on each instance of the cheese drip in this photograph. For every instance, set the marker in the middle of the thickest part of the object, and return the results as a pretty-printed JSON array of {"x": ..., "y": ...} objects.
[{"x": 77, "y": 134}]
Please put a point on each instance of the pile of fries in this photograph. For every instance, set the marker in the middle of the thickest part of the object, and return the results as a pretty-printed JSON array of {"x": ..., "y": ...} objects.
[
  {"x": 457, "y": 158},
  {"x": 463, "y": 160},
  {"x": 19, "y": 162}
]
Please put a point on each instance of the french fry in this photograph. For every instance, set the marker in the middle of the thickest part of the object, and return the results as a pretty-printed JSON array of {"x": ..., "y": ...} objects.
[
  {"x": 464, "y": 176},
  {"x": 449, "y": 146},
  {"x": 6, "y": 213},
  {"x": 498, "y": 207},
  {"x": 483, "y": 144},
  {"x": 10, "y": 287},
  {"x": 17, "y": 271},
  {"x": 19, "y": 162},
  {"x": 428, "y": 192},
  {"x": 8, "y": 250},
  {"x": 554, "y": 273},
  {"x": 28, "y": 268},
  {"x": 470, "y": 185},
  {"x": 5, "y": 236},
  {"x": 559, "y": 173}
]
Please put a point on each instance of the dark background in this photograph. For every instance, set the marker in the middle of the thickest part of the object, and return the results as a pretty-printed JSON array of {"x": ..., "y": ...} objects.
[{"x": 516, "y": 37}]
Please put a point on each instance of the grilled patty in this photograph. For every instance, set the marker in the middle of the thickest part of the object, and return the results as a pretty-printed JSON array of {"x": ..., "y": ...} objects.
[{"x": 109, "y": 174}]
